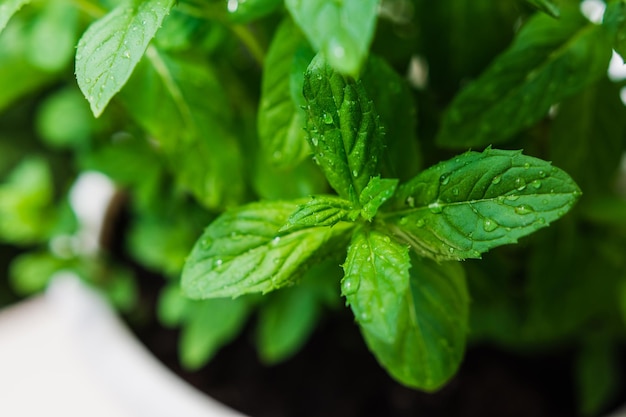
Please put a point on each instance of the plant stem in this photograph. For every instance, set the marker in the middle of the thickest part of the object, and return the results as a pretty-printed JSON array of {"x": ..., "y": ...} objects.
[{"x": 90, "y": 8}]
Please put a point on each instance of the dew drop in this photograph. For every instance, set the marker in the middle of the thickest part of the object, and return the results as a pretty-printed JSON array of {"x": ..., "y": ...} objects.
[
  {"x": 489, "y": 225},
  {"x": 526, "y": 165},
  {"x": 451, "y": 249},
  {"x": 536, "y": 184},
  {"x": 88, "y": 80},
  {"x": 496, "y": 179},
  {"x": 365, "y": 316},
  {"x": 520, "y": 184},
  {"x": 410, "y": 201},
  {"x": 420, "y": 223},
  {"x": 444, "y": 179},
  {"x": 275, "y": 241},
  {"x": 541, "y": 220},
  {"x": 127, "y": 54},
  {"x": 355, "y": 173},
  {"x": 218, "y": 263},
  {"x": 512, "y": 197},
  {"x": 542, "y": 174},
  {"x": 524, "y": 209},
  {"x": 435, "y": 207},
  {"x": 206, "y": 243},
  {"x": 327, "y": 118},
  {"x": 314, "y": 140},
  {"x": 350, "y": 285},
  {"x": 455, "y": 191}
]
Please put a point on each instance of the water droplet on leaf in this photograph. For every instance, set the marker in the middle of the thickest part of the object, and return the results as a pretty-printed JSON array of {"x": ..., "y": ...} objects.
[
  {"x": 489, "y": 225},
  {"x": 536, "y": 184},
  {"x": 327, "y": 118},
  {"x": 435, "y": 207},
  {"x": 524, "y": 209},
  {"x": 520, "y": 184},
  {"x": 350, "y": 285},
  {"x": 496, "y": 179},
  {"x": 420, "y": 223}
]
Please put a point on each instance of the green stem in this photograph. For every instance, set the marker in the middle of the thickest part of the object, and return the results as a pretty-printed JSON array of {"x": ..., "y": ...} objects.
[{"x": 90, "y": 8}]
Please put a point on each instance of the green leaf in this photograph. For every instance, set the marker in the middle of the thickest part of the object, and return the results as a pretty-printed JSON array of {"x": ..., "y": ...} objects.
[
  {"x": 286, "y": 320},
  {"x": 581, "y": 120},
  {"x": 344, "y": 129},
  {"x": 546, "y": 6},
  {"x": 281, "y": 122},
  {"x": 470, "y": 204},
  {"x": 244, "y": 252},
  {"x": 210, "y": 325},
  {"x": 549, "y": 61},
  {"x": 64, "y": 120},
  {"x": 615, "y": 21},
  {"x": 173, "y": 306},
  {"x": 321, "y": 211},
  {"x": 249, "y": 10},
  {"x": 597, "y": 378},
  {"x": 18, "y": 75},
  {"x": 376, "y": 282},
  {"x": 417, "y": 331},
  {"x": 112, "y": 46},
  {"x": 8, "y": 8},
  {"x": 31, "y": 272},
  {"x": 394, "y": 103},
  {"x": 342, "y": 31},
  {"x": 377, "y": 192},
  {"x": 58, "y": 21},
  {"x": 26, "y": 203},
  {"x": 167, "y": 96}
]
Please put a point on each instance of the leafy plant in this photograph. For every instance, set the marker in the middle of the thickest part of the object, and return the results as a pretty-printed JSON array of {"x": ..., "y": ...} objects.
[{"x": 290, "y": 129}]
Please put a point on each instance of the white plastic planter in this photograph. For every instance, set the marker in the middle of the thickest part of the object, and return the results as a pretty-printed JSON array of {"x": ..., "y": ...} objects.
[{"x": 67, "y": 354}]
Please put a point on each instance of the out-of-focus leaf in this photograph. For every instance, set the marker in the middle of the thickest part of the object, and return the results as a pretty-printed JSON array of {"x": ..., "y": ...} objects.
[
  {"x": 8, "y": 8},
  {"x": 57, "y": 20},
  {"x": 243, "y": 11},
  {"x": 209, "y": 325},
  {"x": 546, "y": 6},
  {"x": 549, "y": 61},
  {"x": 595, "y": 113},
  {"x": 597, "y": 376},
  {"x": 342, "y": 31},
  {"x": 615, "y": 21},
  {"x": 64, "y": 120}
]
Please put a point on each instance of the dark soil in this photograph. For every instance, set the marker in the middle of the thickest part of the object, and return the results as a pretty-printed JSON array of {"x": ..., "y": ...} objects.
[{"x": 336, "y": 376}]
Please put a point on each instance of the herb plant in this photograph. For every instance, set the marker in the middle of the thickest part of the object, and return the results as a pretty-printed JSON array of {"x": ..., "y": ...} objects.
[{"x": 290, "y": 128}]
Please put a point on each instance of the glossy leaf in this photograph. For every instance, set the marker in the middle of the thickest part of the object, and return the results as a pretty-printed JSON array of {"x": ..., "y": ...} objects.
[
  {"x": 342, "y": 31},
  {"x": 321, "y": 211},
  {"x": 549, "y": 61},
  {"x": 281, "y": 121},
  {"x": 431, "y": 327},
  {"x": 244, "y": 252},
  {"x": 344, "y": 130},
  {"x": 546, "y": 6},
  {"x": 112, "y": 46},
  {"x": 8, "y": 8},
  {"x": 394, "y": 103},
  {"x": 470, "y": 204},
  {"x": 377, "y": 192},
  {"x": 210, "y": 324},
  {"x": 615, "y": 21},
  {"x": 376, "y": 282}
]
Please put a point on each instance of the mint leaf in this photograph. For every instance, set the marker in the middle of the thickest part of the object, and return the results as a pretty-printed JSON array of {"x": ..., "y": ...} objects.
[
  {"x": 209, "y": 325},
  {"x": 8, "y": 8},
  {"x": 286, "y": 320},
  {"x": 470, "y": 204},
  {"x": 342, "y": 31},
  {"x": 596, "y": 374},
  {"x": 244, "y": 252},
  {"x": 377, "y": 192},
  {"x": 321, "y": 211},
  {"x": 615, "y": 21},
  {"x": 548, "y": 61},
  {"x": 546, "y": 6},
  {"x": 344, "y": 129},
  {"x": 595, "y": 112},
  {"x": 167, "y": 96},
  {"x": 112, "y": 46},
  {"x": 394, "y": 103},
  {"x": 281, "y": 122},
  {"x": 414, "y": 320},
  {"x": 376, "y": 282}
]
